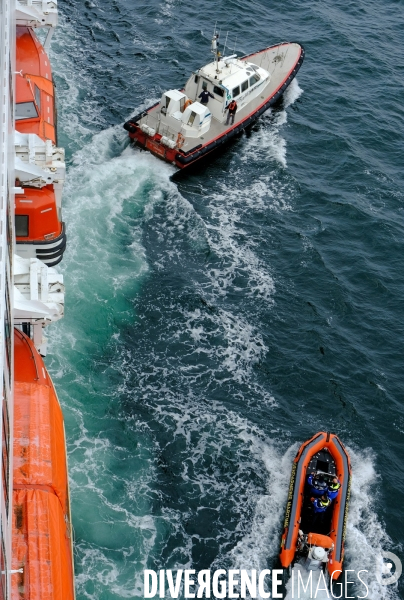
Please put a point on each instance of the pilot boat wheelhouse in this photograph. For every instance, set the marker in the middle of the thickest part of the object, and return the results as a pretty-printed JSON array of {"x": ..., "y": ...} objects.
[{"x": 181, "y": 129}]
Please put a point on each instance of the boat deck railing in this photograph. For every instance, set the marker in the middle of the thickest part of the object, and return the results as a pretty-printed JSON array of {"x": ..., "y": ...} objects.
[{"x": 160, "y": 127}]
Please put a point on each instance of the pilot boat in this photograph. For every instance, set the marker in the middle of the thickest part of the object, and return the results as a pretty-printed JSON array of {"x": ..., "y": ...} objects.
[
  {"x": 180, "y": 129},
  {"x": 317, "y": 545}
]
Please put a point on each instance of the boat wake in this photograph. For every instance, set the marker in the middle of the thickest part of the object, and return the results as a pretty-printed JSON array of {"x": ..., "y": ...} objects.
[{"x": 267, "y": 143}]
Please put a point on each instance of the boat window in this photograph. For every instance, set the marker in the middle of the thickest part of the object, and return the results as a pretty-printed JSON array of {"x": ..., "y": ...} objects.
[
  {"x": 196, "y": 78},
  {"x": 191, "y": 118},
  {"x": 21, "y": 225},
  {"x": 236, "y": 91},
  {"x": 219, "y": 91},
  {"x": 38, "y": 97},
  {"x": 244, "y": 86},
  {"x": 254, "y": 79},
  {"x": 25, "y": 110}
]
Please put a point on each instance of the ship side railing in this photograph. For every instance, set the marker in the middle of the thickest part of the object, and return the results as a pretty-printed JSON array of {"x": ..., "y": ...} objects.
[{"x": 7, "y": 200}]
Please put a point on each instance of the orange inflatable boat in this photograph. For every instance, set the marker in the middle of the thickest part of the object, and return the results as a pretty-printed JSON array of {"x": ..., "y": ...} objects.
[
  {"x": 305, "y": 537},
  {"x": 42, "y": 540}
]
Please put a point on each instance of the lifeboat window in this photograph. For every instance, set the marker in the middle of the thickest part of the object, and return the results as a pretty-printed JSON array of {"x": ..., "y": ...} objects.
[
  {"x": 218, "y": 91},
  {"x": 254, "y": 79},
  {"x": 236, "y": 91},
  {"x": 25, "y": 110},
  {"x": 196, "y": 79},
  {"x": 191, "y": 119},
  {"x": 244, "y": 86},
  {"x": 38, "y": 97},
  {"x": 21, "y": 225}
]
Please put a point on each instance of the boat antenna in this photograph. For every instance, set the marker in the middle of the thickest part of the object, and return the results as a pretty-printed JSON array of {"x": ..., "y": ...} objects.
[
  {"x": 225, "y": 44},
  {"x": 215, "y": 49},
  {"x": 235, "y": 43}
]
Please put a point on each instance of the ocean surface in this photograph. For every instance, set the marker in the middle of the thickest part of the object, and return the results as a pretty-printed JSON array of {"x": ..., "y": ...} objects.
[{"x": 216, "y": 320}]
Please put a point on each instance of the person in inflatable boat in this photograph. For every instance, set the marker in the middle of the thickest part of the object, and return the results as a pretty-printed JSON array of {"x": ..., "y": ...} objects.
[
  {"x": 317, "y": 485},
  {"x": 333, "y": 488},
  {"x": 320, "y": 505}
]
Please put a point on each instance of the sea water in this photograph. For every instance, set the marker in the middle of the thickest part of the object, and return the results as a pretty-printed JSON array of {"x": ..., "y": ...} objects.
[{"x": 216, "y": 320}]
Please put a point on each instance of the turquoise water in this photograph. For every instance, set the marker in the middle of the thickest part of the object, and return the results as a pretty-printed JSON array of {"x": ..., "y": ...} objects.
[{"x": 216, "y": 320}]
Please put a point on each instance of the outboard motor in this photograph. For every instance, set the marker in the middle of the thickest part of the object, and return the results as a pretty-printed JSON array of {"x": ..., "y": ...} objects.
[{"x": 316, "y": 557}]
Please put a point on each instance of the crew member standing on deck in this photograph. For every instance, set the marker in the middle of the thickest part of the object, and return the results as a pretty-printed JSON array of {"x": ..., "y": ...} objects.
[
  {"x": 231, "y": 112},
  {"x": 205, "y": 95}
]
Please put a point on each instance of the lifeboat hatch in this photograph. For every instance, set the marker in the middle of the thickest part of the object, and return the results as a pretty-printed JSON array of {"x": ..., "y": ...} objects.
[{"x": 322, "y": 462}]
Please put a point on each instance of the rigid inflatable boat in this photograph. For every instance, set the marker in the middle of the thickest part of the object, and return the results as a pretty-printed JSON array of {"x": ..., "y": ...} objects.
[
  {"x": 182, "y": 130},
  {"x": 317, "y": 544}
]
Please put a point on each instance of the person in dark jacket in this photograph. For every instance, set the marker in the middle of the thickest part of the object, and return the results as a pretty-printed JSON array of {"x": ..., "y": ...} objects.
[
  {"x": 231, "y": 111},
  {"x": 205, "y": 95},
  {"x": 320, "y": 505},
  {"x": 333, "y": 488},
  {"x": 318, "y": 486}
]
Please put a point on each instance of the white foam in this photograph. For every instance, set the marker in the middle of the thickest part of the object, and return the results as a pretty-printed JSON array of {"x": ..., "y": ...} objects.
[
  {"x": 293, "y": 92},
  {"x": 241, "y": 346},
  {"x": 267, "y": 143},
  {"x": 366, "y": 536},
  {"x": 230, "y": 242}
]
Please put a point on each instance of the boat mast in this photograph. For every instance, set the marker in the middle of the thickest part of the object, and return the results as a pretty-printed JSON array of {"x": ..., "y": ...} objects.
[{"x": 215, "y": 48}]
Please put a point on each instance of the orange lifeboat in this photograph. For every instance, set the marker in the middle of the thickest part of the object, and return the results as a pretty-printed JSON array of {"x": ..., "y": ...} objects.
[
  {"x": 40, "y": 232},
  {"x": 35, "y": 93},
  {"x": 38, "y": 228},
  {"x": 42, "y": 541},
  {"x": 325, "y": 456}
]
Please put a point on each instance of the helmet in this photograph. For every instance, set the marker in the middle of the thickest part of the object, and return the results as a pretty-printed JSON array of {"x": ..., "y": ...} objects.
[{"x": 318, "y": 553}]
